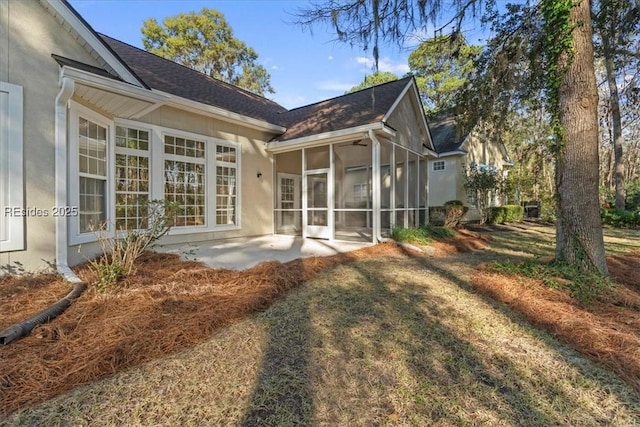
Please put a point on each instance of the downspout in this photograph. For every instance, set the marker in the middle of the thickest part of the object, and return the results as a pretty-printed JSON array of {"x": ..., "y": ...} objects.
[
  {"x": 377, "y": 235},
  {"x": 67, "y": 87}
]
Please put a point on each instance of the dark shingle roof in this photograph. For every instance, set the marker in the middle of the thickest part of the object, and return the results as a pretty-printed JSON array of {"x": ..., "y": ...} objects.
[
  {"x": 445, "y": 134},
  {"x": 165, "y": 75},
  {"x": 62, "y": 61},
  {"x": 354, "y": 109}
]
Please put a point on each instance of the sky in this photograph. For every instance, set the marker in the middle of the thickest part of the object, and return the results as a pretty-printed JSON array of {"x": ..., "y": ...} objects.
[{"x": 305, "y": 67}]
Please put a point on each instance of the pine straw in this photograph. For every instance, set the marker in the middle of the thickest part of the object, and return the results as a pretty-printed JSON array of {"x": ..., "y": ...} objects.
[
  {"x": 464, "y": 241},
  {"x": 608, "y": 331},
  {"x": 166, "y": 306}
]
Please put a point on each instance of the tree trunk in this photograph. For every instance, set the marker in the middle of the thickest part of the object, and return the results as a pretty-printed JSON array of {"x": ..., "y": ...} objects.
[
  {"x": 578, "y": 228},
  {"x": 614, "y": 103}
]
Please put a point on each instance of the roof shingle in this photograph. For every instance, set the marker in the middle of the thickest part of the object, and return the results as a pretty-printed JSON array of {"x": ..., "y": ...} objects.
[
  {"x": 165, "y": 75},
  {"x": 445, "y": 134},
  {"x": 363, "y": 107}
]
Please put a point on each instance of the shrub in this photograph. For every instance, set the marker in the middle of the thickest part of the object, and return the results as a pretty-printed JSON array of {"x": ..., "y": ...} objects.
[
  {"x": 412, "y": 235},
  {"x": 620, "y": 218},
  {"x": 454, "y": 211},
  {"x": 422, "y": 235},
  {"x": 437, "y": 215},
  {"x": 119, "y": 254},
  {"x": 505, "y": 214}
]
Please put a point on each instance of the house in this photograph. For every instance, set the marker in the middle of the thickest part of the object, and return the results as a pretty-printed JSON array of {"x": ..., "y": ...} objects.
[
  {"x": 457, "y": 151},
  {"x": 92, "y": 128}
]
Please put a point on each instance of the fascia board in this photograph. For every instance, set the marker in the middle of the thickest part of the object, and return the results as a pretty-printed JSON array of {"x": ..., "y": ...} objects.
[
  {"x": 110, "y": 85},
  {"x": 327, "y": 137},
  {"x": 221, "y": 113}
]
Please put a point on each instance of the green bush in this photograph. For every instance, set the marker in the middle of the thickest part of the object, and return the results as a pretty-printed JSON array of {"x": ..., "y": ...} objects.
[
  {"x": 620, "y": 218},
  {"x": 632, "y": 200},
  {"x": 505, "y": 214},
  {"x": 422, "y": 235}
]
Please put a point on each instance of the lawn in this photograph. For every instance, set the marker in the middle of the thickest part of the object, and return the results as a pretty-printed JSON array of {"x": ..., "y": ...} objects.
[{"x": 386, "y": 338}]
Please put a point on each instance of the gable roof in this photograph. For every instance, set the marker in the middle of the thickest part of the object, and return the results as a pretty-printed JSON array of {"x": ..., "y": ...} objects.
[
  {"x": 365, "y": 107},
  {"x": 170, "y": 77},
  {"x": 359, "y": 108},
  {"x": 445, "y": 134}
]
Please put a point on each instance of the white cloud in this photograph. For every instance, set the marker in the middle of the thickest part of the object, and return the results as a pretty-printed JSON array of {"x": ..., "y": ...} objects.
[
  {"x": 275, "y": 67},
  {"x": 330, "y": 58},
  {"x": 384, "y": 64},
  {"x": 334, "y": 85}
]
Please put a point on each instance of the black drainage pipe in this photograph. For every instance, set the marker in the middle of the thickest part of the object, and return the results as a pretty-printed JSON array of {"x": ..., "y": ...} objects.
[{"x": 21, "y": 329}]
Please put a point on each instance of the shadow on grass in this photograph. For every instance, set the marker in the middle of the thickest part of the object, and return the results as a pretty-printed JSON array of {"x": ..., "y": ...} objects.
[{"x": 455, "y": 382}]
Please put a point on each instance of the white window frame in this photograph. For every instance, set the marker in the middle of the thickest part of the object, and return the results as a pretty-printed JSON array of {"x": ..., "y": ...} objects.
[
  {"x": 209, "y": 204},
  {"x": 128, "y": 124},
  {"x": 215, "y": 143},
  {"x": 75, "y": 236},
  {"x": 439, "y": 162},
  {"x": 156, "y": 172},
  {"x": 11, "y": 172}
]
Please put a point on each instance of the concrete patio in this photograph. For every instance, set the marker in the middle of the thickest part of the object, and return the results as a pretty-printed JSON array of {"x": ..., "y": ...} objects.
[{"x": 242, "y": 253}]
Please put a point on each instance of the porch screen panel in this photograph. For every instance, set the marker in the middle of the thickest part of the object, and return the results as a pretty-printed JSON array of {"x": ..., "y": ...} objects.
[
  {"x": 386, "y": 178},
  {"x": 92, "y": 167},
  {"x": 185, "y": 179},
  {"x": 132, "y": 178},
  {"x": 288, "y": 194},
  {"x": 413, "y": 182},
  {"x": 401, "y": 186},
  {"x": 422, "y": 192},
  {"x": 353, "y": 198}
]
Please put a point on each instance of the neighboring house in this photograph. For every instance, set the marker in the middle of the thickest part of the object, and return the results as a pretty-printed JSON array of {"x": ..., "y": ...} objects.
[
  {"x": 456, "y": 153},
  {"x": 91, "y": 128}
]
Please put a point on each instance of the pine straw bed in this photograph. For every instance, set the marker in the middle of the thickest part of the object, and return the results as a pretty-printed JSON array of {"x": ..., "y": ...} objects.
[
  {"x": 608, "y": 331},
  {"x": 166, "y": 306}
]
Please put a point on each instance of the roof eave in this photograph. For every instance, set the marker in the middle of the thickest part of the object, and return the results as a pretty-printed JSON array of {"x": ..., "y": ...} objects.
[
  {"x": 220, "y": 113},
  {"x": 325, "y": 138},
  {"x": 96, "y": 46},
  {"x": 452, "y": 153}
]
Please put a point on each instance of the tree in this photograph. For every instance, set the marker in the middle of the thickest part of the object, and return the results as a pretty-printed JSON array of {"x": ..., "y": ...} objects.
[
  {"x": 441, "y": 65},
  {"x": 616, "y": 23},
  {"x": 204, "y": 41},
  {"x": 565, "y": 51},
  {"x": 481, "y": 182},
  {"x": 376, "y": 78}
]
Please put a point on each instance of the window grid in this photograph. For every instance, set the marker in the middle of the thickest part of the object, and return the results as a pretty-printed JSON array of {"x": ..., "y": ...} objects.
[
  {"x": 225, "y": 195},
  {"x": 439, "y": 165},
  {"x": 184, "y": 147},
  {"x": 185, "y": 185},
  {"x": 287, "y": 193},
  {"x": 92, "y": 163},
  {"x": 132, "y": 178}
]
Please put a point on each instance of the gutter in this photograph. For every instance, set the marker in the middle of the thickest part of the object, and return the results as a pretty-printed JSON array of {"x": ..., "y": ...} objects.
[{"x": 67, "y": 87}]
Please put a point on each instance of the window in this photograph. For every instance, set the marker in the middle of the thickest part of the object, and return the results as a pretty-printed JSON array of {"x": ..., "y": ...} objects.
[
  {"x": 185, "y": 178},
  {"x": 11, "y": 174},
  {"x": 132, "y": 178},
  {"x": 226, "y": 185},
  {"x": 438, "y": 165},
  {"x": 92, "y": 168},
  {"x": 360, "y": 192}
]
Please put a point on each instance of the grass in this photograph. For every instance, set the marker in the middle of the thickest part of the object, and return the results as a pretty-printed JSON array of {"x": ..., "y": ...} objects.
[
  {"x": 393, "y": 340},
  {"x": 422, "y": 235},
  {"x": 586, "y": 287}
]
